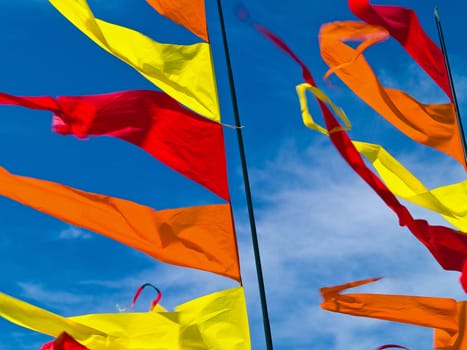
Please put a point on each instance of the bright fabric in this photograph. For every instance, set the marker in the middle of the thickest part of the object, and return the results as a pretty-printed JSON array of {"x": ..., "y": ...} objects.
[
  {"x": 190, "y": 14},
  {"x": 445, "y": 315},
  {"x": 321, "y": 96},
  {"x": 185, "y": 72},
  {"x": 217, "y": 321},
  {"x": 63, "y": 342},
  {"x": 200, "y": 237},
  {"x": 450, "y": 201},
  {"x": 404, "y": 26},
  {"x": 434, "y": 125},
  {"x": 448, "y": 247},
  {"x": 152, "y": 120}
]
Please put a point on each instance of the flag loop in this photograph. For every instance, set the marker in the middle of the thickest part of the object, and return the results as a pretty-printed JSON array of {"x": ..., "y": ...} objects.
[
  {"x": 138, "y": 293},
  {"x": 306, "y": 115}
]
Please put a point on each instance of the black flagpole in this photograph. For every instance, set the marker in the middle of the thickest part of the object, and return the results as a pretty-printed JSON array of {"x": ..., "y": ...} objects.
[
  {"x": 254, "y": 235},
  {"x": 451, "y": 82}
]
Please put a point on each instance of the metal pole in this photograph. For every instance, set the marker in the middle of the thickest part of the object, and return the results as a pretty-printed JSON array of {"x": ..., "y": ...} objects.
[
  {"x": 451, "y": 82},
  {"x": 254, "y": 235}
]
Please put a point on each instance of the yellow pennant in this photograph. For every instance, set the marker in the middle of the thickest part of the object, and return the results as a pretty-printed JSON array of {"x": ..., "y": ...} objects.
[
  {"x": 216, "y": 321},
  {"x": 184, "y": 72},
  {"x": 321, "y": 96},
  {"x": 450, "y": 201}
]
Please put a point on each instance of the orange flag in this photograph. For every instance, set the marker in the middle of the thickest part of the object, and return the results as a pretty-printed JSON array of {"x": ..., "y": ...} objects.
[
  {"x": 190, "y": 14},
  {"x": 445, "y": 315},
  {"x": 403, "y": 25},
  {"x": 434, "y": 125},
  {"x": 200, "y": 237}
]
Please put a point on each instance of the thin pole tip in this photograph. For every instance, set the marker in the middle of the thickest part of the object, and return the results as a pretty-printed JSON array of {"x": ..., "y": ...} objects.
[{"x": 436, "y": 13}]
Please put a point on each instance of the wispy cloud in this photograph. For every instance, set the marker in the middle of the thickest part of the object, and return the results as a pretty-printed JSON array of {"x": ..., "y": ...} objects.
[
  {"x": 323, "y": 226},
  {"x": 38, "y": 292},
  {"x": 73, "y": 232},
  {"x": 318, "y": 225}
]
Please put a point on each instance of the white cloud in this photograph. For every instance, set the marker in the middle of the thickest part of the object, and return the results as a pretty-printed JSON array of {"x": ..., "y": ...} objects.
[
  {"x": 55, "y": 299},
  {"x": 318, "y": 225},
  {"x": 73, "y": 232},
  {"x": 323, "y": 226}
]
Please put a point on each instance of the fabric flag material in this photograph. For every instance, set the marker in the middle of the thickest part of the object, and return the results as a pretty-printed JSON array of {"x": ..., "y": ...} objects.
[
  {"x": 190, "y": 14},
  {"x": 434, "y": 125},
  {"x": 200, "y": 237},
  {"x": 216, "y": 321},
  {"x": 152, "y": 120},
  {"x": 63, "y": 342},
  {"x": 448, "y": 247},
  {"x": 446, "y": 316},
  {"x": 450, "y": 201},
  {"x": 185, "y": 72},
  {"x": 404, "y": 26}
]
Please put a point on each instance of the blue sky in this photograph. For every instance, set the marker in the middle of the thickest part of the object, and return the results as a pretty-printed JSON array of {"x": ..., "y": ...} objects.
[{"x": 318, "y": 224}]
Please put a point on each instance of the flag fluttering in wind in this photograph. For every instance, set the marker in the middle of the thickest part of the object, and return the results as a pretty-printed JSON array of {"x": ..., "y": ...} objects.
[
  {"x": 446, "y": 316},
  {"x": 434, "y": 125},
  {"x": 152, "y": 120},
  {"x": 450, "y": 201},
  {"x": 448, "y": 247},
  {"x": 190, "y": 14},
  {"x": 200, "y": 237},
  {"x": 185, "y": 72},
  {"x": 216, "y": 321},
  {"x": 403, "y": 25}
]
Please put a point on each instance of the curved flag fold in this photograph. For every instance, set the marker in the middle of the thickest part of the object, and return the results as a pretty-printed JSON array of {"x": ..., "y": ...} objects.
[
  {"x": 152, "y": 120},
  {"x": 450, "y": 201},
  {"x": 446, "y": 316},
  {"x": 434, "y": 125},
  {"x": 216, "y": 321},
  {"x": 403, "y": 25},
  {"x": 448, "y": 247},
  {"x": 185, "y": 72},
  {"x": 200, "y": 237}
]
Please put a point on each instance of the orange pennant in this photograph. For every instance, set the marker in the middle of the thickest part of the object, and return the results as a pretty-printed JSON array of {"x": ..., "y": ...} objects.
[
  {"x": 190, "y": 14},
  {"x": 433, "y": 125},
  {"x": 200, "y": 237},
  {"x": 445, "y": 315}
]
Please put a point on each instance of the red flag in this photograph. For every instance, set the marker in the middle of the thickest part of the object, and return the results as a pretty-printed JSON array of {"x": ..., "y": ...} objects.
[
  {"x": 404, "y": 26},
  {"x": 448, "y": 246},
  {"x": 200, "y": 237},
  {"x": 152, "y": 120},
  {"x": 63, "y": 342}
]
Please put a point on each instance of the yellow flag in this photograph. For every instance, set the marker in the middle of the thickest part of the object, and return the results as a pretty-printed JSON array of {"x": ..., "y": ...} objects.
[
  {"x": 450, "y": 201},
  {"x": 433, "y": 125},
  {"x": 184, "y": 72},
  {"x": 200, "y": 237},
  {"x": 216, "y": 321},
  {"x": 191, "y": 14}
]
